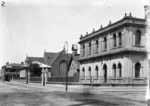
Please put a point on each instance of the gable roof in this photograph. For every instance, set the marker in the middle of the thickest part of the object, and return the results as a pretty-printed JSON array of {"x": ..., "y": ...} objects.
[
  {"x": 32, "y": 59},
  {"x": 50, "y": 57}
]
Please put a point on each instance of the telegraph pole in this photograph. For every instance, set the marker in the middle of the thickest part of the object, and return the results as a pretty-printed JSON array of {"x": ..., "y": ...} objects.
[{"x": 67, "y": 65}]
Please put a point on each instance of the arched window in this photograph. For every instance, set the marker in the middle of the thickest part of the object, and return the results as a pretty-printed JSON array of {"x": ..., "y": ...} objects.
[
  {"x": 96, "y": 71},
  {"x": 83, "y": 50},
  {"x": 105, "y": 73},
  {"x": 114, "y": 70},
  {"x": 62, "y": 68},
  {"x": 120, "y": 38},
  {"x": 114, "y": 38},
  {"x": 83, "y": 72},
  {"x": 90, "y": 48},
  {"x": 89, "y": 72},
  {"x": 97, "y": 46},
  {"x": 120, "y": 69},
  {"x": 105, "y": 43},
  {"x": 138, "y": 37},
  {"x": 137, "y": 70}
]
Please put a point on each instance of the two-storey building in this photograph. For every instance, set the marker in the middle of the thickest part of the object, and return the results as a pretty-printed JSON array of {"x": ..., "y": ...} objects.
[{"x": 115, "y": 54}]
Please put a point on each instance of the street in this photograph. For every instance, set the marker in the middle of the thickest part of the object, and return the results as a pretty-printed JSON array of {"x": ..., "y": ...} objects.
[{"x": 21, "y": 94}]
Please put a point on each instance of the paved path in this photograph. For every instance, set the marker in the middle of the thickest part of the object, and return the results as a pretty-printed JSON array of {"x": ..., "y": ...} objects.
[{"x": 20, "y": 94}]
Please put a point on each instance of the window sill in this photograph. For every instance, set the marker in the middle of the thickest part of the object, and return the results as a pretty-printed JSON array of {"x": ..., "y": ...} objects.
[
  {"x": 116, "y": 78},
  {"x": 105, "y": 50},
  {"x": 139, "y": 78},
  {"x": 138, "y": 46},
  {"x": 116, "y": 47}
]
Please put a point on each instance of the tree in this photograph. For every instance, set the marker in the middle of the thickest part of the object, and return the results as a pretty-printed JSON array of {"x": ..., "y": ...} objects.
[{"x": 35, "y": 70}]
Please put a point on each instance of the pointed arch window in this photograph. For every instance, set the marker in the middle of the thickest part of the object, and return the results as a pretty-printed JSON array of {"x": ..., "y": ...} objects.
[
  {"x": 120, "y": 69},
  {"x": 89, "y": 72},
  {"x": 83, "y": 72},
  {"x": 114, "y": 70},
  {"x": 96, "y": 71},
  {"x": 137, "y": 70},
  {"x": 138, "y": 38}
]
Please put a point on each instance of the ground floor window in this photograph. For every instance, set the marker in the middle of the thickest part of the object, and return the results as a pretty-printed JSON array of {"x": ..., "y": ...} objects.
[{"x": 137, "y": 70}]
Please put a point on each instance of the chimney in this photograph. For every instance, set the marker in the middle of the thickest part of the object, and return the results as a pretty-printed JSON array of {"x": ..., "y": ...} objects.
[
  {"x": 7, "y": 63},
  {"x": 74, "y": 49}
]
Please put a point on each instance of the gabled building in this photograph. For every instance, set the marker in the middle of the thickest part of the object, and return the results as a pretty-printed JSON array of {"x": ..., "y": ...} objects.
[
  {"x": 115, "y": 54},
  {"x": 60, "y": 62}
]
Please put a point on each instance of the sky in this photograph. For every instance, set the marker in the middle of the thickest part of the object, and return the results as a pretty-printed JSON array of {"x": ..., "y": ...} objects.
[{"x": 34, "y": 26}]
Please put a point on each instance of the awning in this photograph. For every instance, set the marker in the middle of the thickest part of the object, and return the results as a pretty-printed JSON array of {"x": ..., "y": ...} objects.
[{"x": 42, "y": 65}]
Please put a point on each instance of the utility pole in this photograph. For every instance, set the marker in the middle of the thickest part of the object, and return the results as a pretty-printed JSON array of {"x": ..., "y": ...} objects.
[{"x": 67, "y": 65}]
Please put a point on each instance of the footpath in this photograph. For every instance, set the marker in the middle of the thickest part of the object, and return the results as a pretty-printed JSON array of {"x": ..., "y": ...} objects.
[{"x": 79, "y": 88}]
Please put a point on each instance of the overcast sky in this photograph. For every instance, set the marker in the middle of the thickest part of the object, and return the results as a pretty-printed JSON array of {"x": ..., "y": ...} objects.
[{"x": 30, "y": 26}]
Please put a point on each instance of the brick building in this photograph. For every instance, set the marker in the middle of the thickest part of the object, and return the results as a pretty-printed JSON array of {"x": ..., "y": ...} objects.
[{"x": 115, "y": 54}]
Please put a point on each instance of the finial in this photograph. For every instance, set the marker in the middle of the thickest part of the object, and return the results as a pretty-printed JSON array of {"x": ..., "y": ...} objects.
[
  {"x": 81, "y": 36},
  {"x": 93, "y": 30},
  {"x": 101, "y": 27},
  {"x": 130, "y": 14},
  {"x": 110, "y": 22},
  {"x": 86, "y": 33},
  {"x": 125, "y": 14}
]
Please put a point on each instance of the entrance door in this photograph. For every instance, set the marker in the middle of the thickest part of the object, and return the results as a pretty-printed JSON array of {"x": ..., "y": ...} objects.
[{"x": 105, "y": 73}]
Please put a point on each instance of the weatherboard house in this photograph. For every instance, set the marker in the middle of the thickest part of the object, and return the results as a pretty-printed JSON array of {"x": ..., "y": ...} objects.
[{"x": 115, "y": 54}]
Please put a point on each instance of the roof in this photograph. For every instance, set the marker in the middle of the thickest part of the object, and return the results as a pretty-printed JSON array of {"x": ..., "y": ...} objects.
[
  {"x": 32, "y": 59},
  {"x": 15, "y": 65},
  {"x": 41, "y": 64},
  {"x": 50, "y": 57},
  {"x": 126, "y": 20}
]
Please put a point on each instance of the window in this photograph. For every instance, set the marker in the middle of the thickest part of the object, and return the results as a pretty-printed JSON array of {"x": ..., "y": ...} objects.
[
  {"x": 114, "y": 38},
  {"x": 83, "y": 54},
  {"x": 89, "y": 72},
  {"x": 90, "y": 48},
  {"x": 138, "y": 38},
  {"x": 120, "y": 69},
  {"x": 97, "y": 46},
  {"x": 83, "y": 72},
  {"x": 120, "y": 38},
  {"x": 96, "y": 71},
  {"x": 63, "y": 68},
  {"x": 105, "y": 43},
  {"x": 137, "y": 70},
  {"x": 114, "y": 70}
]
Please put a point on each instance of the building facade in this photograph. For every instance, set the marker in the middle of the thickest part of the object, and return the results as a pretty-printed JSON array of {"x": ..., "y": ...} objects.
[{"x": 115, "y": 54}]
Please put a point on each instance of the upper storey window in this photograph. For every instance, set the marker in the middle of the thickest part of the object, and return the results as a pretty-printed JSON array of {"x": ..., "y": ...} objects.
[
  {"x": 137, "y": 37},
  {"x": 114, "y": 37},
  {"x": 120, "y": 38},
  {"x": 90, "y": 49},
  {"x": 83, "y": 54},
  {"x": 105, "y": 43},
  {"x": 97, "y": 46}
]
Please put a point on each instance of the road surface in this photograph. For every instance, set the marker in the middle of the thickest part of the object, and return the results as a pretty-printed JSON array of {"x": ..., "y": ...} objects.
[{"x": 19, "y": 94}]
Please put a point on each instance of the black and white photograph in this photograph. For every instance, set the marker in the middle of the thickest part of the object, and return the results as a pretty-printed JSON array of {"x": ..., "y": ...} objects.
[{"x": 74, "y": 52}]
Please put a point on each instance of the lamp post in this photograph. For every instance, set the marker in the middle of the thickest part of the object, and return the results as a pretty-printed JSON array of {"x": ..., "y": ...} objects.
[
  {"x": 26, "y": 66},
  {"x": 67, "y": 64}
]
